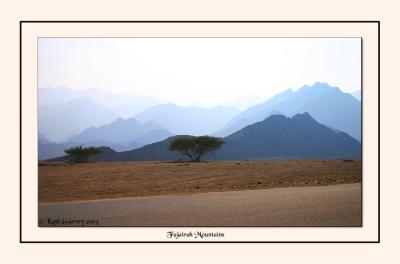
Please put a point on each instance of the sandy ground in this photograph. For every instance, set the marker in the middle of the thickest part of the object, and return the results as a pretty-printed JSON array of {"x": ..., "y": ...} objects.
[
  {"x": 94, "y": 181},
  {"x": 334, "y": 205}
]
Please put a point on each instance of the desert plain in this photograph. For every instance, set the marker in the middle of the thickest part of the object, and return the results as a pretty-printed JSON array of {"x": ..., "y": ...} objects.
[{"x": 95, "y": 181}]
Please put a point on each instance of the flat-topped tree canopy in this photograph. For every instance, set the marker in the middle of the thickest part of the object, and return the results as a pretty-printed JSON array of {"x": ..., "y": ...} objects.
[
  {"x": 81, "y": 154},
  {"x": 195, "y": 147}
]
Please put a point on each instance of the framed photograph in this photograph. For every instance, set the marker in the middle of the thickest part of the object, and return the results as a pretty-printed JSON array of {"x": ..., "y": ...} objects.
[{"x": 199, "y": 131}]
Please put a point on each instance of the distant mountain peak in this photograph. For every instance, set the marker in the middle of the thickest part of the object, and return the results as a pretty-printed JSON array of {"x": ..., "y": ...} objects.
[
  {"x": 303, "y": 116},
  {"x": 318, "y": 88},
  {"x": 133, "y": 119},
  {"x": 287, "y": 91},
  {"x": 324, "y": 85},
  {"x": 318, "y": 83},
  {"x": 279, "y": 116},
  {"x": 276, "y": 116},
  {"x": 121, "y": 121}
]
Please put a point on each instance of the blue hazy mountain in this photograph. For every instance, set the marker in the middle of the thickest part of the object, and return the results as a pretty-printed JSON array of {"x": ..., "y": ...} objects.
[
  {"x": 328, "y": 105},
  {"x": 59, "y": 121},
  {"x": 249, "y": 115},
  {"x": 48, "y": 150},
  {"x": 120, "y": 135},
  {"x": 124, "y": 104},
  {"x": 153, "y": 136},
  {"x": 188, "y": 120},
  {"x": 123, "y": 131},
  {"x": 277, "y": 137}
]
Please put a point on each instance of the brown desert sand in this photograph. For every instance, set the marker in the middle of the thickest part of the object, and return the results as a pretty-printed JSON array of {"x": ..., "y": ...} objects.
[{"x": 94, "y": 181}]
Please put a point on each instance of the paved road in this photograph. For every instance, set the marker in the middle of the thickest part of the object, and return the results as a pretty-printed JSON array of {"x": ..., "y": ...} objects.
[{"x": 334, "y": 205}]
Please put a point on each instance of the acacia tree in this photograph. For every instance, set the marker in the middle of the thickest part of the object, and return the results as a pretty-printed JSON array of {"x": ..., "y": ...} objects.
[
  {"x": 80, "y": 154},
  {"x": 195, "y": 147}
]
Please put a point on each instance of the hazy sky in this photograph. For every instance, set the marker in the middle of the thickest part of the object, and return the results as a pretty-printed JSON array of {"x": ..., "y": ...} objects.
[{"x": 199, "y": 71}]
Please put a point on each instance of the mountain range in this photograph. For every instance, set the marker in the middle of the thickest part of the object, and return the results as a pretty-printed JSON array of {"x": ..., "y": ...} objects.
[
  {"x": 84, "y": 121},
  {"x": 276, "y": 137},
  {"x": 120, "y": 135},
  {"x": 122, "y": 131},
  {"x": 328, "y": 105}
]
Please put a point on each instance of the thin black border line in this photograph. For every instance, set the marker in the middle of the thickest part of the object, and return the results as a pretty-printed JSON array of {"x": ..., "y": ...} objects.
[
  {"x": 20, "y": 132},
  {"x": 379, "y": 132},
  {"x": 160, "y": 21}
]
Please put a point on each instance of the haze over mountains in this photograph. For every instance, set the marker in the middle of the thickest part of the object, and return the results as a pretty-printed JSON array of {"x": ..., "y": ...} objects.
[
  {"x": 328, "y": 105},
  {"x": 62, "y": 94},
  {"x": 59, "y": 121},
  {"x": 63, "y": 114},
  {"x": 118, "y": 131},
  {"x": 121, "y": 135},
  {"x": 188, "y": 120},
  {"x": 115, "y": 121}
]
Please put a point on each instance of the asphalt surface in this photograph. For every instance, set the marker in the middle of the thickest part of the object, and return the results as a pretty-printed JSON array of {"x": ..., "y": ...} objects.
[{"x": 333, "y": 205}]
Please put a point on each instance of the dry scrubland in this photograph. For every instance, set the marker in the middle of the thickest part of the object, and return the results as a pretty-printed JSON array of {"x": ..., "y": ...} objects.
[{"x": 92, "y": 181}]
